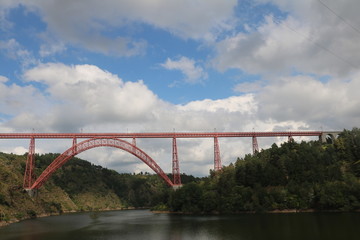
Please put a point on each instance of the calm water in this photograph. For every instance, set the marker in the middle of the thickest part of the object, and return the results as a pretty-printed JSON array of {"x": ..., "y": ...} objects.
[{"x": 142, "y": 224}]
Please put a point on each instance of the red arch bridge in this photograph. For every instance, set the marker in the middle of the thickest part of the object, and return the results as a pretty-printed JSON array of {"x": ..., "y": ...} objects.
[{"x": 93, "y": 140}]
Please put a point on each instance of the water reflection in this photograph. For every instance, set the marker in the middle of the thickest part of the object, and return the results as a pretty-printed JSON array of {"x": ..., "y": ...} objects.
[{"x": 142, "y": 224}]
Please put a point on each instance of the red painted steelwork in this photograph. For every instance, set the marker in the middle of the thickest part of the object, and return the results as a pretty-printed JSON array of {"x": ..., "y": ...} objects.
[
  {"x": 131, "y": 148},
  {"x": 30, "y": 165},
  {"x": 217, "y": 159},
  {"x": 160, "y": 135},
  {"x": 255, "y": 145},
  {"x": 175, "y": 165},
  {"x": 93, "y": 143}
]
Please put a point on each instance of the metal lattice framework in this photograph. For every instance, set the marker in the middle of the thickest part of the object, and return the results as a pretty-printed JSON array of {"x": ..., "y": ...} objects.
[
  {"x": 217, "y": 158},
  {"x": 30, "y": 162},
  {"x": 93, "y": 143},
  {"x": 255, "y": 145},
  {"x": 175, "y": 164},
  {"x": 165, "y": 134},
  {"x": 113, "y": 140}
]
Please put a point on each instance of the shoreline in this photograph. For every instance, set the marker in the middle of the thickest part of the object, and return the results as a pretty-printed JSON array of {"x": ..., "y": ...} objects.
[
  {"x": 285, "y": 211},
  {"x": 254, "y": 212},
  {"x": 7, "y": 223}
]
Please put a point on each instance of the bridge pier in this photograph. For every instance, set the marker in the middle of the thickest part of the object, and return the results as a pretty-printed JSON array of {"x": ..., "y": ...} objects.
[
  {"x": 217, "y": 158},
  {"x": 255, "y": 145},
  {"x": 30, "y": 165},
  {"x": 175, "y": 165},
  {"x": 114, "y": 140}
]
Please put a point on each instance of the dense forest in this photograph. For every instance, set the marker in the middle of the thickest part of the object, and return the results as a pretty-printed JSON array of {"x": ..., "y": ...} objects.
[
  {"x": 77, "y": 186},
  {"x": 298, "y": 176}
]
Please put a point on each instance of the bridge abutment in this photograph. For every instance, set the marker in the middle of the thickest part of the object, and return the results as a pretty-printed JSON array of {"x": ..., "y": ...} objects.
[
  {"x": 332, "y": 135},
  {"x": 176, "y": 187},
  {"x": 32, "y": 192}
]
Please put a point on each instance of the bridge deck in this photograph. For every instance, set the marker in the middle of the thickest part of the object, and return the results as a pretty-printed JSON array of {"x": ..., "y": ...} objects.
[{"x": 162, "y": 135}]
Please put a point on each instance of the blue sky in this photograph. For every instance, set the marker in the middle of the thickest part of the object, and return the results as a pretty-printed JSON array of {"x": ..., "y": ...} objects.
[
  {"x": 161, "y": 65},
  {"x": 28, "y": 30}
]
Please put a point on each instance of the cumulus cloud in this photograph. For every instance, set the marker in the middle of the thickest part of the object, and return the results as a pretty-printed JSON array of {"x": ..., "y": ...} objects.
[
  {"x": 86, "y": 94},
  {"x": 92, "y": 25},
  {"x": 248, "y": 87},
  {"x": 51, "y": 46},
  {"x": 15, "y": 99},
  {"x": 309, "y": 39},
  {"x": 305, "y": 62},
  {"x": 192, "y": 73},
  {"x": 5, "y": 5},
  {"x": 241, "y": 105},
  {"x": 87, "y": 97},
  {"x": 332, "y": 104},
  {"x": 12, "y": 49}
]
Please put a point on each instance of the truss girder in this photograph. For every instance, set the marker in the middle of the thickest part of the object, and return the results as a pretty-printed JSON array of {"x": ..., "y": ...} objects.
[
  {"x": 163, "y": 134},
  {"x": 113, "y": 140},
  {"x": 93, "y": 143}
]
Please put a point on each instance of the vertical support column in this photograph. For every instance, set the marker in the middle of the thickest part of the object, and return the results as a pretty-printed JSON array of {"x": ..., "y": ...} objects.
[
  {"x": 134, "y": 144},
  {"x": 30, "y": 165},
  {"x": 217, "y": 158},
  {"x": 74, "y": 145},
  {"x": 175, "y": 164},
  {"x": 255, "y": 145}
]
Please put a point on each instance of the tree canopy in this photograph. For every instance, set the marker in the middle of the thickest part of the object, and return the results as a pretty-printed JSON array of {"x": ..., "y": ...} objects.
[{"x": 301, "y": 176}]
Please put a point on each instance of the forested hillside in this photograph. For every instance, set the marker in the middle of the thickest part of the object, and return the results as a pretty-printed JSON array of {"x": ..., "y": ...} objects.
[
  {"x": 300, "y": 176},
  {"x": 297, "y": 176},
  {"x": 77, "y": 186}
]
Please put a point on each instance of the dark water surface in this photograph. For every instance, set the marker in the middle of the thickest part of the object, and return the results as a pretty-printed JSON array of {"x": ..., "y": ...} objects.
[{"x": 143, "y": 224}]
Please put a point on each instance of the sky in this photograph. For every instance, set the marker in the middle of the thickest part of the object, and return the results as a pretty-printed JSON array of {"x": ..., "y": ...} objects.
[{"x": 186, "y": 66}]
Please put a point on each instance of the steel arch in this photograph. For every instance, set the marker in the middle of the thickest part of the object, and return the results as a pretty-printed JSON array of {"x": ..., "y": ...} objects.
[{"x": 93, "y": 143}]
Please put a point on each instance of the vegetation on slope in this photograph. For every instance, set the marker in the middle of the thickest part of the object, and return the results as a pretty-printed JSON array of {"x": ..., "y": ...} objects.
[
  {"x": 301, "y": 176},
  {"x": 77, "y": 186}
]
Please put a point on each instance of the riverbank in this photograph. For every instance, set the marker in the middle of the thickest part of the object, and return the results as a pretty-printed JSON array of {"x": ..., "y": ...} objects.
[
  {"x": 142, "y": 224},
  {"x": 284, "y": 211},
  {"x": 6, "y": 223},
  {"x": 78, "y": 186},
  {"x": 11, "y": 221},
  {"x": 254, "y": 212}
]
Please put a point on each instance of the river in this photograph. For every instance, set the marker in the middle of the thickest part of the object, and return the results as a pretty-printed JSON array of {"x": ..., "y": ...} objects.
[{"x": 144, "y": 225}]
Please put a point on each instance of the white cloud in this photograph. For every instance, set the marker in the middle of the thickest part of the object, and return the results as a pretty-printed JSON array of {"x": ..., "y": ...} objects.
[
  {"x": 193, "y": 73},
  {"x": 248, "y": 87},
  {"x": 90, "y": 95},
  {"x": 3, "y": 79},
  {"x": 15, "y": 99},
  {"x": 15, "y": 51},
  {"x": 89, "y": 98},
  {"x": 51, "y": 46},
  {"x": 309, "y": 39},
  {"x": 241, "y": 105},
  {"x": 5, "y": 5},
  {"x": 92, "y": 25},
  {"x": 332, "y": 104}
]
